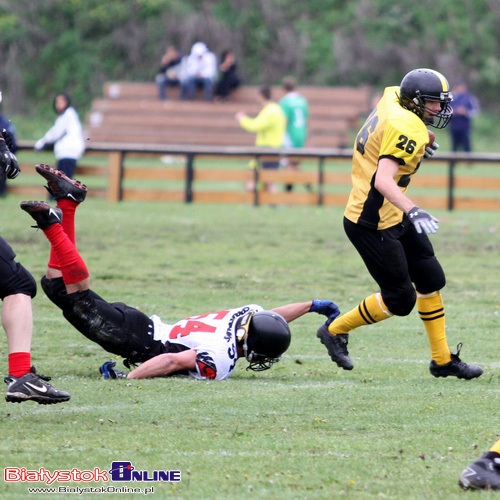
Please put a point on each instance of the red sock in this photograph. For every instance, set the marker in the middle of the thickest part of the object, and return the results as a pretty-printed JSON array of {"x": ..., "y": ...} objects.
[
  {"x": 72, "y": 266},
  {"x": 68, "y": 208},
  {"x": 53, "y": 262},
  {"x": 68, "y": 223},
  {"x": 19, "y": 363}
]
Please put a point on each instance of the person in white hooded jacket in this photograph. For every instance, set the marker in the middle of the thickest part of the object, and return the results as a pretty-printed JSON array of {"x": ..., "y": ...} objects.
[
  {"x": 66, "y": 135},
  {"x": 199, "y": 71}
]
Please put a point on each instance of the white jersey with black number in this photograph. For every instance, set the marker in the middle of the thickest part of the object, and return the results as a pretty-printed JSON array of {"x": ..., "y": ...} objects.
[{"x": 211, "y": 335}]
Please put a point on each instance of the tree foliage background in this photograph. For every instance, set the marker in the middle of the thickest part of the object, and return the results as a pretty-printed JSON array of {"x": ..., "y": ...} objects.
[{"x": 77, "y": 45}]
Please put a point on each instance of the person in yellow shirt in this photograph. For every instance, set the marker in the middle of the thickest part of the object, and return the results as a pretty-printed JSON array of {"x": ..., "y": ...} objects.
[{"x": 270, "y": 125}]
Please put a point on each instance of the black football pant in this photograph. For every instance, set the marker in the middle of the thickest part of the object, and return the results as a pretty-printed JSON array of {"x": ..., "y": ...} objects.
[
  {"x": 14, "y": 277},
  {"x": 398, "y": 258},
  {"x": 116, "y": 327}
]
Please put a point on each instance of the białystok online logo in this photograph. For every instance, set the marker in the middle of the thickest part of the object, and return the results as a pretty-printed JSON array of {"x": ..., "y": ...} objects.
[
  {"x": 119, "y": 471},
  {"x": 124, "y": 471}
]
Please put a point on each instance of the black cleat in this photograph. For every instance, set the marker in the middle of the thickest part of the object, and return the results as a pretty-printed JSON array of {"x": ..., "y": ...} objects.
[
  {"x": 455, "y": 368},
  {"x": 31, "y": 387},
  {"x": 483, "y": 474},
  {"x": 60, "y": 186},
  {"x": 336, "y": 346},
  {"x": 44, "y": 214}
]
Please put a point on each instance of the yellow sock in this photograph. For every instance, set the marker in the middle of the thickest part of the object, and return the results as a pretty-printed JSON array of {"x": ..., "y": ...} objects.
[
  {"x": 496, "y": 447},
  {"x": 431, "y": 311},
  {"x": 371, "y": 310}
]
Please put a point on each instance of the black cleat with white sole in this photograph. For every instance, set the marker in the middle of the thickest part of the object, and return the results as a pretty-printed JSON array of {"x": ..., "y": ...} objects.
[
  {"x": 483, "y": 474},
  {"x": 44, "y": 214},
  {"x": 33, "y": 387},
  {"x": 60, "y": 186}
]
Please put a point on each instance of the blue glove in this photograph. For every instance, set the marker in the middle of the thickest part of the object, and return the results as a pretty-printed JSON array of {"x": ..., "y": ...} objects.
[
  {"x": 326, "y": 308},
  {"x": 107, "y": 370}
]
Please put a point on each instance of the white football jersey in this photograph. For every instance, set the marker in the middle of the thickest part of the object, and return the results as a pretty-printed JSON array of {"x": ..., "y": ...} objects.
[{"x": 211, "y": 335}]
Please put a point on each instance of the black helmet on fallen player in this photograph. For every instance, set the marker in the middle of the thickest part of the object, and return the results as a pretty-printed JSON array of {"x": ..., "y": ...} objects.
[
  {"x": 267, "y": 338},
  {"x": 421, "y": 86}
]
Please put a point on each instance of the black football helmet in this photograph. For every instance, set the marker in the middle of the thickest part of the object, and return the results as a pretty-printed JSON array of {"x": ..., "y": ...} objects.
[
  {"x": 264, "y": 338},
  {"x": 421, "y": 86}
]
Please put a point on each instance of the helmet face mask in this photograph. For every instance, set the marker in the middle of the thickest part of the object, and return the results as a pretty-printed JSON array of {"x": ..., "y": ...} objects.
[
  {"x": 421, "y": 86},
  {"x": 267, "y": 339},
  {"x": 260, "y": 362}
]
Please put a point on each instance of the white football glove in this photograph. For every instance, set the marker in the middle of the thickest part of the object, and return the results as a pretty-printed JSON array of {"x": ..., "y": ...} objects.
[
  {"x": 423, "y": 221},
  {"x": 430, "y": 150}
]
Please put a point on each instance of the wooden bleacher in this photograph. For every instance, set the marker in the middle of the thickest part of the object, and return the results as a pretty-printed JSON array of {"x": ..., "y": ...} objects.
[{"x": 131, "y": 112}]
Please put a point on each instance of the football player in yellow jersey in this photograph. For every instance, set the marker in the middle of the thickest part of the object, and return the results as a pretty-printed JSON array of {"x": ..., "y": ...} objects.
[{"x": 388, "y": 230}]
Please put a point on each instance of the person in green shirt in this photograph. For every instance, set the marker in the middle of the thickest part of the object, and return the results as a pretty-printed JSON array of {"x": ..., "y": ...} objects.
[
  {"x": 296, "y": 109},
  {"x": 269, "y": 124}
]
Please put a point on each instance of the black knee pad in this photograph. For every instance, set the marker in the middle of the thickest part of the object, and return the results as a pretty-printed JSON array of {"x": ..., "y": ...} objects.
[
  {"x": 55, "y": 289},
  {"x": 400, "y": 302},
  {"x": 432, "y": 279}
]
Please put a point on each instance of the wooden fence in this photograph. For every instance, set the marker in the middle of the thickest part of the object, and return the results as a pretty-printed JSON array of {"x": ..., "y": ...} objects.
[{"x": 330, "y": 185}]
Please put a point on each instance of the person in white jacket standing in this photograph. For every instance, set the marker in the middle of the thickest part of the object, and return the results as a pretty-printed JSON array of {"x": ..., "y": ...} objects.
[{"x": 66, "y": 135}]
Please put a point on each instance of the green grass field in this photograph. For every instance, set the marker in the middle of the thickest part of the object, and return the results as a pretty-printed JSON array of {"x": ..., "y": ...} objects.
[{"x": 302, "y": 430}]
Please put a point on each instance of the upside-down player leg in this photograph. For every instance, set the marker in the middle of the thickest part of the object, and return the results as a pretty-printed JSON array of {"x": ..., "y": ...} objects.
[
  {"x": 68, "y": 193},
  {"x": 71, "y": 266}
]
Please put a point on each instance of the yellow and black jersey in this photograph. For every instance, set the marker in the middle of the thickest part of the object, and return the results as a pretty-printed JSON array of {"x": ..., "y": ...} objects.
[{"x": 389, "y": 132}]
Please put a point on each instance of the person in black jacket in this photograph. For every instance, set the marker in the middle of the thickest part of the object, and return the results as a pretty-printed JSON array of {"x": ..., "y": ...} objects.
[
  {"x": 228, "y": 79},
  {"x": 168, "y": 75}
]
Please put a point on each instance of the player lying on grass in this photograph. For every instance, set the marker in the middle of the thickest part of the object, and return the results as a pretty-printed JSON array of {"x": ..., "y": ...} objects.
[{"x": 205, "y": 346}]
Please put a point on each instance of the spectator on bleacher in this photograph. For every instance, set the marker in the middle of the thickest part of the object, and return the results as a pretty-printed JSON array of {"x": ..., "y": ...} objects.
[
  {"x": 168, "y": 75},
  {"x": 228, "y": 77},
  {"x": 270, "y": 125},
  {"x": 200, "y": 70},
  {"x": 465, "y": 108},
  {"x": 296, "y": 109},
  {"x": 66, "y": 135},
  {"x": 7, "y": 125}
]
